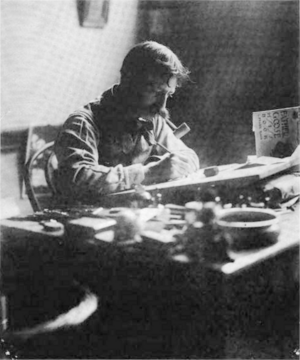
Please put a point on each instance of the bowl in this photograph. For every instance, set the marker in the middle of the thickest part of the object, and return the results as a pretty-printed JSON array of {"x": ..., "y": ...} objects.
[{"x": 249, "y": 228}]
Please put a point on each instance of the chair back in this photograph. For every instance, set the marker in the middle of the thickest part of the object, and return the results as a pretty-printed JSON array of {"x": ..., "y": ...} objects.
[{"x": 38, "y": 177}]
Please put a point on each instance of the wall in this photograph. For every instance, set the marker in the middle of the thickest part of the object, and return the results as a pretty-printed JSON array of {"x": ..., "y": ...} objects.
[
  {"x": 243, "y": 57},
  {"x": 51, "y": 65}
]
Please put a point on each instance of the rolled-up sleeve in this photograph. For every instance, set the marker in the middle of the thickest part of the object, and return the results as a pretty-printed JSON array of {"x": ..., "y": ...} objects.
[{"x": 80, "y": 173}]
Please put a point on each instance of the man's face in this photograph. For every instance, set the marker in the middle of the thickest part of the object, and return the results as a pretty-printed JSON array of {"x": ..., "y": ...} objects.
[{"x": 153, "y": 95}]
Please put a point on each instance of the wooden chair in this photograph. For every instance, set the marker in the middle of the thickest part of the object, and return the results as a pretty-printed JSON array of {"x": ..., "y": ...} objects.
[{"x": 38, "y": 177}]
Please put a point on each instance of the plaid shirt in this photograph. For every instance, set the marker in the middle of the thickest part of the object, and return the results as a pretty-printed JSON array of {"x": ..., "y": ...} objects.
[{"x": 102, "y": 149}]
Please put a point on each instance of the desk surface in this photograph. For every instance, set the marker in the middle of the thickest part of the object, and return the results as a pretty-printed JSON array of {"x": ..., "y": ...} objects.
[
  {"x": 178, "y": 292},
  {"x": 16, "y": 230},
  {"x": 236, "y": 175},
  {"x": 289, "y": 237}
]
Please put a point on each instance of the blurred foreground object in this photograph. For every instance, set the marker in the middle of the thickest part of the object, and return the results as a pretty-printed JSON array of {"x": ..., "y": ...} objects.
[
  {"x": 128, "y": 226},
  {"x": 249, "y": 228}
]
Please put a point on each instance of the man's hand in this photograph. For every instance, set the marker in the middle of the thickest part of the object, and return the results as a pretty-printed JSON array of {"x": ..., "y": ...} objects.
[{"x": 169, "y": 167}]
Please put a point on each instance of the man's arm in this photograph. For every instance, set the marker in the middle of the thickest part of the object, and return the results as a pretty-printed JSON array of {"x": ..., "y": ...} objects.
[
  {"x": 182, "y": 162},
  {"x": 81, "y": 177},
  {"x": 79, "y": 172}
]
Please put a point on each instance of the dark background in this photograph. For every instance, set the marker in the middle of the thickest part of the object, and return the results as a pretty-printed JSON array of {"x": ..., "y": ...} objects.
[{"x": 243, "y": 57}]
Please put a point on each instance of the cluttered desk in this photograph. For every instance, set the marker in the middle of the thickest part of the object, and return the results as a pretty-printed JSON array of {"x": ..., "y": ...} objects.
[{"x": 158, "y": 261}]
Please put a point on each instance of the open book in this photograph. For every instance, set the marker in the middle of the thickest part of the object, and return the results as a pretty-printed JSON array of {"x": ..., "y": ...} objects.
[{"x": 234, "y": 174}]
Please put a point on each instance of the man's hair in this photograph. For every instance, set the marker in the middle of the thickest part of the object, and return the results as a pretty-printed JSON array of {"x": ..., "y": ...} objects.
[{"x": 150, "y": 57}]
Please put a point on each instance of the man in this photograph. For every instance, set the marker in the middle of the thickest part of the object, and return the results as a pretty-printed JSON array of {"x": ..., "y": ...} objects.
[{"x": 110, "y": 144}]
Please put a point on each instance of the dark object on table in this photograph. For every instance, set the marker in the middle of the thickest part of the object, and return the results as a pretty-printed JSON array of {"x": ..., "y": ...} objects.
[
  {"x": 203, "y": 241},
  {"x": 211, "y": 171},
  {"x": 51, "y": 225}
]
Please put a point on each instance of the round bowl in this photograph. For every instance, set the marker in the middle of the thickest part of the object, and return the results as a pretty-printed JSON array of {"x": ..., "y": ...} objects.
[{"x": 248, "y": 228}]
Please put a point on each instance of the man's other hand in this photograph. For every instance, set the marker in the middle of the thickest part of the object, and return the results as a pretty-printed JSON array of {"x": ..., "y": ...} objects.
[{"x": 169, "y": 167}]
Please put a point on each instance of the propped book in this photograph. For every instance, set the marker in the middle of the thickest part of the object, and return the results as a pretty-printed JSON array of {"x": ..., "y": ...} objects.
[{"x": 277, "y": 132}]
